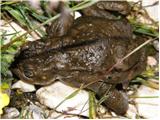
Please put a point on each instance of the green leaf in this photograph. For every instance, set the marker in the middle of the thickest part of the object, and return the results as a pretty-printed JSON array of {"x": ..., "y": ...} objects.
[
  {"x": 44, "y": 8},
  {"x": 84, "y": 4},
  {"x": 39, "y": 17},
  {"x": 92, "y": 106},
  {"x": 146, "y": 32},
  {"x": 149, "y": 72},
  {"x": 4, "y": 86},
  {"x": 8, "y": 58},
  {"x": 146, "y": 82},
  {"x": 25, "y": 16},
  {"x": 102, "y": 99},
  {"x": 8, "y": 2},
  {"x": 72, "y": 94},
  {"x": 16, "y": 14}
]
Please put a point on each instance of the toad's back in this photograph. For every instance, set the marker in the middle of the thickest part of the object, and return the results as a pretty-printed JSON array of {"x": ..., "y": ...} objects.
[{"x": 89, "y": 44}]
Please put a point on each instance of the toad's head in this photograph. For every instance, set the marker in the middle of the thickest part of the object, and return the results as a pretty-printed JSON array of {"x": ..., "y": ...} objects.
[{"x": 34, "y": 70}]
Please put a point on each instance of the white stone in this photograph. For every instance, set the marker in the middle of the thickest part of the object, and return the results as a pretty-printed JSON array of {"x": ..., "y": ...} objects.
[
  {"x": 152, "y": 10},
  {"x": 52, "y": 95},
  {"x": 37, "y": 112},
  {"x": 10, "y": 30},
  {"x": 24, "y": 87},
  {"x": 151, "y": 61},
  {"x": 56, "y": 115},
  {"x": 156, "y": 44},
  {"x": 148, "y": 107},
  {"x": 77, "y": 15},
  {"x": 131, "y": 112},
  {"x": 10, "y": 113},
  {"x": 103, "y": 113}
]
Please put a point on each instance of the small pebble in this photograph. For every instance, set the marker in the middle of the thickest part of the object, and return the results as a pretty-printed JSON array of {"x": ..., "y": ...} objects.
[
  {"x": 101, "y": 109},
  {"x": 56, "y": 115},
  {"x": 147, "y": 107},
  {"x": 103, "y": 112},
  {"x": 152, "y": 10},
  {"x": 24, "y": 87},
  {"x": 37, "y": 112},
  {"x": 10, "y": 113},
  {"x": 156, "y": 44},
  {"x": 55, "y": 93},
  {"x": 32, "y": 112},
  {"x": 131, "y": 112},
  {"x": 151, "y": 61}
]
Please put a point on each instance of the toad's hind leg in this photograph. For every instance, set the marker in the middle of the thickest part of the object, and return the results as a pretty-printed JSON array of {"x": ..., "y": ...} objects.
[
  {"x": 115, "y": 100},
  {"x": 104, "y": 8}
]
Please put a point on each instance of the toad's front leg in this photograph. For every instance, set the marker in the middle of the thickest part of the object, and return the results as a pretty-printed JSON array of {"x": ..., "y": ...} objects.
[{"x": 114, "y": 99}]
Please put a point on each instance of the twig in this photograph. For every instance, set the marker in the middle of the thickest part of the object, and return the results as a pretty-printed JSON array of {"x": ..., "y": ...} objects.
[
  {"x": 153, "y": 4},
  {"x": 133, "y": 96}
]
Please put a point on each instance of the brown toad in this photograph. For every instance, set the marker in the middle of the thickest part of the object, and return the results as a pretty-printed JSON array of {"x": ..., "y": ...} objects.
[{"x": 81, "y": 51}]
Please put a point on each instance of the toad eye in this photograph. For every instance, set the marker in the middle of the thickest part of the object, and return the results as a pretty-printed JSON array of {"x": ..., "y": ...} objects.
[{"x": 28, "y": 73}]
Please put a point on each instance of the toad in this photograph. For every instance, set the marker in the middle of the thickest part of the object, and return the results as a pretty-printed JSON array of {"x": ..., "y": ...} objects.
[{"x": 81, "y": 52}]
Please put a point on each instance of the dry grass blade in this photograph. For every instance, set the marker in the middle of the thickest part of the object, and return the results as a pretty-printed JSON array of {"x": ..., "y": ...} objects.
[
  {"x": 133, "y": 96},
  {"x": 151, "y": 84}
]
